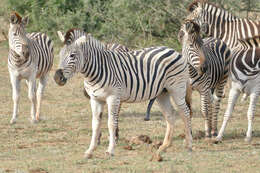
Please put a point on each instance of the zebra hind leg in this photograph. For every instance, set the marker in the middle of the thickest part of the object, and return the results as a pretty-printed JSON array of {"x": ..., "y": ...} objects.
[
  {"x": 40, "y": 90},
  {"x": 250, "y": 115},
  {"x": 180, "y": 98},
  {"x": 169, "y": 114}
]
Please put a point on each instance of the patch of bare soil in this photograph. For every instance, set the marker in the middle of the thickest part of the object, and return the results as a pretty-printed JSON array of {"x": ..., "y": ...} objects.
[{"x": 37, "y": 170}]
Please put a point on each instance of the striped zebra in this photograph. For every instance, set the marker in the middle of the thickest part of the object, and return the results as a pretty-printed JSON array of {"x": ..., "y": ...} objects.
[
  {"x": 208, "y": 68},
  {"x": 242, "y": 36},
  {"x": 113, "y": 77},
  {"x": 30, "y": 57},
  {"x": 113, "y": 47}
]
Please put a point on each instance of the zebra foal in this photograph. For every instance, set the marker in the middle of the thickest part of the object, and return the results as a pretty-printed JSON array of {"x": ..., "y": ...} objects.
[
  {"x": 30, "y": 57},
  {"x": 113, "y": 77},
  {"x": 208, "y": 69},
  {"x": 242, "y": 36}
]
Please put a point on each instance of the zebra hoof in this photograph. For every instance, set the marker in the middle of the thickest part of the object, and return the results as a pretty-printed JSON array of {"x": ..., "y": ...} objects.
[
  {"x": 248, "y": 139},
  {"x": 109, "y": 154},
  {"x": 13, "y": 121},
  {"x": 88, "y": 156},
  {"x": 146, "y": 119},
  {"x": 156, "y": 157},
  {"x": 34, "y": 121}
]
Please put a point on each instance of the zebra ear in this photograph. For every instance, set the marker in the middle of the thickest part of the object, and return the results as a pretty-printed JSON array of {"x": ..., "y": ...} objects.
[
  {"x": 25, "y": 20},
  {"x": 61, "y": 36},
  {"x": 188, "y": 26}
]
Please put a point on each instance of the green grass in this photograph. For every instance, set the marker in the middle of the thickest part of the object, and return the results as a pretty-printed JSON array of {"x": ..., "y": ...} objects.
[{"x": 57, "y": 144}]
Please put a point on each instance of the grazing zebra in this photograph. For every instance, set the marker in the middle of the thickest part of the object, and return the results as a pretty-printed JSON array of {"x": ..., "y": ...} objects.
[
  {"x": 242, "y": 36},
  {"x": 113, "y": 77},
  {"x": 208, "y": 68},
  {"x": 30, "y": 57}
]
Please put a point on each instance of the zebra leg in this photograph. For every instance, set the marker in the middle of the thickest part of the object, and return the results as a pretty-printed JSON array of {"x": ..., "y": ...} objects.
[
  {"x": 40, "y": 90},
  {"x": 250, "y": 115},
  {"x": 16, "y": 97},
  {"x": 165, "y": 105},
  {"x": 217, "y": 96},
  {"x": 206, "y": 109},
  {"x": 113, "y": 103},
  {"x": 32, "y": 96},
  {"x": 232, "y": 98},
  {"x": 180, "y": 98},
  {"x": 147, "y": 117},
  {"x": 97, "y": 109}
]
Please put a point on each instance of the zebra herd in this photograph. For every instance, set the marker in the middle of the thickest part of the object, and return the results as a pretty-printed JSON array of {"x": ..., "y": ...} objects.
[{"x": 114, "y": 74}]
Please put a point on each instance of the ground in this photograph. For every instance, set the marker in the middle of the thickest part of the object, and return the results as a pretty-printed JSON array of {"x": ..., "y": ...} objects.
[{"x": 57, "y": 144}]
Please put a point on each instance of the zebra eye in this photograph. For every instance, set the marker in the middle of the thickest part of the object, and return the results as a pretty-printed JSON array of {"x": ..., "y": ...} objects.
[{"x": 73, "y": 55}]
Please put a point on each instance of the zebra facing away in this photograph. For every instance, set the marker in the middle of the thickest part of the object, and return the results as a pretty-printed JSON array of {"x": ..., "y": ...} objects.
[
  {"x": 242, "y": 36},
  {"x": 30, "y": 57},
  {"x": 208, "y": 68},
  {"x": 113, "y": 77}
]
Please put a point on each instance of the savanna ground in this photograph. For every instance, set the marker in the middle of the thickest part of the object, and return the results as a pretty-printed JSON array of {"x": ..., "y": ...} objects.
[{"x": 57, "y": 144}]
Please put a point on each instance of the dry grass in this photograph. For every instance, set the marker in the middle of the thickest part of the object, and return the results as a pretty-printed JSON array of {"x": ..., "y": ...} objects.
[{"x": 57, "y": 144}]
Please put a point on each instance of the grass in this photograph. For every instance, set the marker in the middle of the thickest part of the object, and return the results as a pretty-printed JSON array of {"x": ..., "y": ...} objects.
[{"x": 57, "y": 144}]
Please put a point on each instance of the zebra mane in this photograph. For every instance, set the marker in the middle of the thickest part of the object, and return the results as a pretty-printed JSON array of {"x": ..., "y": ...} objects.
[
  {"x": 72, "y": 35},
  {"x": 93, "y": 42},
  {"x": 15, "y": 18}
]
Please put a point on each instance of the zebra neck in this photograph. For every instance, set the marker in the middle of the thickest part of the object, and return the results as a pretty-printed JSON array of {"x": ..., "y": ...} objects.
[
  {"x": 93, "y": 65},
  {"x": 229, "y": 28}
]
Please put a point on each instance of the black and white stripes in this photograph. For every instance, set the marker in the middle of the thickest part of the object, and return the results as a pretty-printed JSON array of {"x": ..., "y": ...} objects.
[
  {"x": 114, "y": 76},
  {"x": 208, "y": 68},
  {"x": 242, "y": 36},
  {"x": 30, "y": 57}
]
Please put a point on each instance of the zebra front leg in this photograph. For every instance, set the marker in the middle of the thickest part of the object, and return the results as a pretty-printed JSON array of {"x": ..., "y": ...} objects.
[
  {"x": 148, "y": 111},
  {"x": 40, "y": 90},
  {"x": 232, "y": 98},
  {"x": 32, "y": 96},
  {"x": 16, "y": 97},
  {"x": 97, "y": 109},
  {"x": 113, "y": 103},
  {"x": 250, "y": 115},
  {"x": 206, "y": 109}
]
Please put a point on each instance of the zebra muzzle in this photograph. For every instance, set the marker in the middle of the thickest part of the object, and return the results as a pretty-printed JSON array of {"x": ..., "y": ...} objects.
[{"x": 59, "y": 77}]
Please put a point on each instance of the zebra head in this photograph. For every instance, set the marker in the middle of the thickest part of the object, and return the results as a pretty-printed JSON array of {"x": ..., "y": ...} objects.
[
  {"x": 199, "y": 14},
  {"x": 18, "y": 42},
  {"x": 189, "y": 36},
  {"x": 71, "y": 56}
]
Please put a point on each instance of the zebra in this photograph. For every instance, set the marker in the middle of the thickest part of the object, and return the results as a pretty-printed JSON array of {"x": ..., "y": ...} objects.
[
  {"x": 209, "y": 60},
  {"x": 121, "y": 48},
  {"x": 242, "y": 36},
  {"x": 30, "y": 57},
  {"x": 113, "y": 77}
]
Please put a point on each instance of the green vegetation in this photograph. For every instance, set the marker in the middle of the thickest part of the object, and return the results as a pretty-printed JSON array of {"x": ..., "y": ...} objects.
[{"x": 135, "y": 23}]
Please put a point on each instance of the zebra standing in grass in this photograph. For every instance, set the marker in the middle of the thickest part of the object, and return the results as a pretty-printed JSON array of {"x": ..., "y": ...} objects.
[
  {"x": 242, "y": 36},
  {"x": 208, "y": 68},
  {"x": 30, "y": 57},
  {"x": 113, "y": 77}
]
